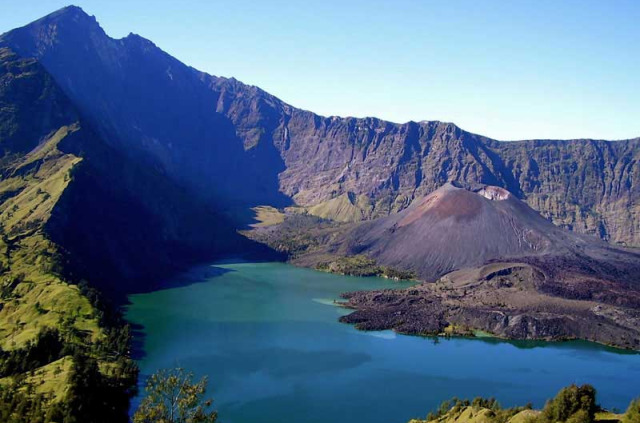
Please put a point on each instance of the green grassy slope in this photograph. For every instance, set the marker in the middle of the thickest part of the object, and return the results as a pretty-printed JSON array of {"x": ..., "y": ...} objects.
[
  {"x": 34, "y": 296},
  {"x": 344, "y": 208},
  {"x": 51, "y": 330}
]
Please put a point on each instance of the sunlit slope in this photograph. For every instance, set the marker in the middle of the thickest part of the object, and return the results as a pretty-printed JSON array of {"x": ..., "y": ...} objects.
[{"x": 35, "y": 297}]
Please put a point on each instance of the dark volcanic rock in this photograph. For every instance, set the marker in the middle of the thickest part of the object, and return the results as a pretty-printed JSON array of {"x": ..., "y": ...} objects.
[
  {"x": 513, "y": 308},
  {"x": 410, "y": 312}
]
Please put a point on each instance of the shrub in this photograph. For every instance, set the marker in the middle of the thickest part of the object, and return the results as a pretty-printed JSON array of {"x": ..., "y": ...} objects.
[{"x": 633, "y": 412}]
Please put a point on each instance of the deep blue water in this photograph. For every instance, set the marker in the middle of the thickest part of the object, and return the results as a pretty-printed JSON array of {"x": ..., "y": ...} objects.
[{"x": 268, "y": 337}]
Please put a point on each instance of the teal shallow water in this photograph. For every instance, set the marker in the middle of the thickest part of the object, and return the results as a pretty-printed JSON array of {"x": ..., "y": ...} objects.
[{"x": 268, "y": 337}]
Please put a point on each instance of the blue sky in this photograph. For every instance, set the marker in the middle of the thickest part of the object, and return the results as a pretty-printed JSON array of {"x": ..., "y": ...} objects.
[{"x": 505, "y": 69}]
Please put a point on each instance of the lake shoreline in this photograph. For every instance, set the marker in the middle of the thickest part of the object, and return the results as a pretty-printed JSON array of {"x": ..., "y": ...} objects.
[
  {"x": 420, "y": 312},
  {"x": 477, "y": 334}
]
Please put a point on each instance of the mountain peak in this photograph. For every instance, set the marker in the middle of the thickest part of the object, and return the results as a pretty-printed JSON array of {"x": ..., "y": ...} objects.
[
  {"x": 65, "y": 29},
  {"x": 138, "y": 39},
  {"x": 72, "y": 8},
  {"x": 70, "y": 14},
  {"x": 69, "y": 21}
]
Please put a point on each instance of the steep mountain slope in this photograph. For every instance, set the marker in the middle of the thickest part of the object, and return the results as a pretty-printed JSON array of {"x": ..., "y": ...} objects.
[
  {"x": 73, "y": 209},
  {"x": 128, "y": 226},
  {"x": 50, "y": 329},
  {"x": 224, "y": 138},
  {"x": 148, "y": 105},
  {"x": 35, "y": 119}
]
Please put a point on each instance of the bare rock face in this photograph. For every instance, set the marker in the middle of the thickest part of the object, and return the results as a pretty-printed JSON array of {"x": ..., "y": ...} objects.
[
  {"x": 494, "y": 193},
  {"x": 588, "y": 186},
  {"x": 228, "y": 140}
]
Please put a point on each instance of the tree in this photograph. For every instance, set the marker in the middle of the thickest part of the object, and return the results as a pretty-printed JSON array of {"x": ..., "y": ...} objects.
[
  {"x": 173, "y": 397},
  {"x": 580, "y": 416},
  {"x": 87, "y": 398},
  {"x": 633, "y": 412},
  {"x": 578, "y": 402}
]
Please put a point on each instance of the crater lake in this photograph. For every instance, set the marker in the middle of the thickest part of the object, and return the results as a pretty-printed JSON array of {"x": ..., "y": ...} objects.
[{"x": 268, "y": 338}]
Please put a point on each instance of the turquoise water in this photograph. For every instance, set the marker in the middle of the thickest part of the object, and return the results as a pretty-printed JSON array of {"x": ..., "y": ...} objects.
[{"x": 268, "y": 337}]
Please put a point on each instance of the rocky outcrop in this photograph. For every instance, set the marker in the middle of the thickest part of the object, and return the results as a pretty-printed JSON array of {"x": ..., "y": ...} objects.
[{"x": 503, "y": 299}]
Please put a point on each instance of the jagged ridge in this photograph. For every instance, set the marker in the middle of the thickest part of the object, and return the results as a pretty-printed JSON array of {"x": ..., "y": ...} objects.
[{"x": 228, "y": 139}]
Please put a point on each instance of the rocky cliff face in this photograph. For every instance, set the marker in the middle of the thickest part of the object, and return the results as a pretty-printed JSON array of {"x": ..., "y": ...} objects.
[
  {"x": 584, "y": 185},
  {"x": 228, "y": 140},
  {"x": 590, "y": 186}
]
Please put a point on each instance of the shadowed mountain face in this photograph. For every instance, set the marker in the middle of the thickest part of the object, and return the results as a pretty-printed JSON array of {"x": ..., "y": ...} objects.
[
  {"x": 74, "y": 207},
  {"x": 226, "y": 140},
  {"x": 149, "y": 105},
  {"x": 119, "y": 222}
]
